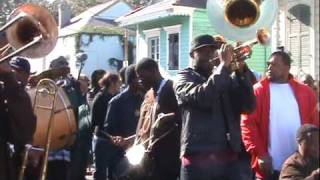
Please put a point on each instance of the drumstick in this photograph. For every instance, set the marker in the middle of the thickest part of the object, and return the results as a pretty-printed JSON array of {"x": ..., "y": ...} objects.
[
  {"x": 110, "y": 136},
  {"x": 37, "y": 149},
  {"x": 130, "y": 137},
  {"x": 161, "y": 116}
]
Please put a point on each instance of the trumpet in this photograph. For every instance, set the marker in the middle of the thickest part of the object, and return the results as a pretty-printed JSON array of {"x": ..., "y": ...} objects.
[{"x": 244, "y": 50}]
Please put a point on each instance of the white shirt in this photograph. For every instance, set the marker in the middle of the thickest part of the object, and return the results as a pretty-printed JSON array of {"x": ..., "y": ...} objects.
[{"x": 284, "y": 123}]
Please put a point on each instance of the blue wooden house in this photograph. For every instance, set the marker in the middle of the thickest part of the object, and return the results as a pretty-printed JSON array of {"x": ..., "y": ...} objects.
[
  {"x": 95, "y": 33},
  {"x": 165, "y": 29}
]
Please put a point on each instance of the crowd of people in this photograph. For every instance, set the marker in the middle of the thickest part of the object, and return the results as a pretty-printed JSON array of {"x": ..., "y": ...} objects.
[{"x": 213, "y": 122}]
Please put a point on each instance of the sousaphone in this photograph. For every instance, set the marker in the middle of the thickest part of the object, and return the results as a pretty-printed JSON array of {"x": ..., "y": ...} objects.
[
  {"x": 31, "y": 31},
  {"x": 240, "y": 20}
]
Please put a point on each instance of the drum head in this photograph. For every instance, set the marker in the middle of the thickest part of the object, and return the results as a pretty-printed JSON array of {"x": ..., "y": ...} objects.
[{"x": 64, "y": 125}]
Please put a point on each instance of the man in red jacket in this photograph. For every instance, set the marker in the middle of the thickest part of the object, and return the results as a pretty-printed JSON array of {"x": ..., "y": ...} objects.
[{"x": 283, "y": 104}]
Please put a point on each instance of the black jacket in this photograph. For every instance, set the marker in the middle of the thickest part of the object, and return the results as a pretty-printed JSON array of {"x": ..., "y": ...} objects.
[
  {"x": 166, "y": 150},
  {"x": 17, "y": 122},
  {"x": 211, "y": 109},
  {"x": 99, "y": 108},
  {"x": 123, "y": 114},
  {"x": 162, "y": 161}
]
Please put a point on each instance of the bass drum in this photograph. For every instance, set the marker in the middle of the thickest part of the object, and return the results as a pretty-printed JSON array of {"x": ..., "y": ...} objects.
[{"x": 64, "y": 125}]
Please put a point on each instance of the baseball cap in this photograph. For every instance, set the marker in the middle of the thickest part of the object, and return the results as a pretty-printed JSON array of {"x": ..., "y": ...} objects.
[
  {"x": 60, "y": 62},
  {"x": 21, "y": 64},
  {"x": 204, "y": 40},
  {"x": 305, "y": 131}
]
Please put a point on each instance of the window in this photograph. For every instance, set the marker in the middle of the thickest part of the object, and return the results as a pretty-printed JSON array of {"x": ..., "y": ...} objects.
[
  {"x": 173, "y": 63},
  {"x": 152, "y": 37},
  {"x": 298, "y": 38},
  {"x": 153, "y": 48},
  {"x": 173, "y": 35}
]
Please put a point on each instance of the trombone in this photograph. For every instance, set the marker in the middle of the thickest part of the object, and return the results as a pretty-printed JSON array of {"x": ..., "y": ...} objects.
[{"x": 49, "y": 88}]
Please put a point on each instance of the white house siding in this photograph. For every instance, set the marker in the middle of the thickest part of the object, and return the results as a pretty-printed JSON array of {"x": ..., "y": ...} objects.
[
  {"x": 316, "y": 39},
  {"x": 99, "y": 51},
  {"x": 65, "y": 47},
  {"x": 142, "y": 46},
  {"x": 305, "y": 46}
]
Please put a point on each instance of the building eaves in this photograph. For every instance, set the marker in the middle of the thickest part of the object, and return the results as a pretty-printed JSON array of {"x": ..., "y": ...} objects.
[
  {"x": 92, "y": 26},
  {"x": 94, "y": 11},
  {"x": 90, "y": 17},
  {"x": 159, "y": 10}
]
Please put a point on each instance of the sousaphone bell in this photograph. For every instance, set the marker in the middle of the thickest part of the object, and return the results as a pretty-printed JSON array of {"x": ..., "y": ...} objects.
[
  {"x": 31, "y": 31},
  {"x": 240, "y": 20}
]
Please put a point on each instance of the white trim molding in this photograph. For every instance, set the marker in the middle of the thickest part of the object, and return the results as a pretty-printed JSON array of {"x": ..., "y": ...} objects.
[
  {"x": 173, "y": 29},
  {"x": 152, "y": 33}
]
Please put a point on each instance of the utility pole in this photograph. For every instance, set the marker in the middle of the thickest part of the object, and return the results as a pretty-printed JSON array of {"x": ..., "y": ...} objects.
[{"x": 126, "y": 48}]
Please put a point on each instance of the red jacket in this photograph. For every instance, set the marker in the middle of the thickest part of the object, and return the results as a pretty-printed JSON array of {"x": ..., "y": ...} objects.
[{"x": 255, "y": 126}]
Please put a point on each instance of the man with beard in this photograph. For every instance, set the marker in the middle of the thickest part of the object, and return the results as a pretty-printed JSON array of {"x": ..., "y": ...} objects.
[
  {"x": 211, "y": 101},
  {"x": 283, "y": 105}
]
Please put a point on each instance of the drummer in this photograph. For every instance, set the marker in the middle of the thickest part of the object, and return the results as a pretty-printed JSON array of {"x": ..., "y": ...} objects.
[
  {"x": 162, "y": 159},
  {"x": 59, "y": 161},
  {"x": 121, "y": 122}
]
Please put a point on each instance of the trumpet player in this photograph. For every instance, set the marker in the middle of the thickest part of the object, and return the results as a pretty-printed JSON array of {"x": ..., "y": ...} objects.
[{"x": 211, "y": 101}]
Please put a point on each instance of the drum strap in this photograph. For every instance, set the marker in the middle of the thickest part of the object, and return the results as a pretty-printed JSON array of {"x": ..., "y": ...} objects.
[
  {"x": 154, "y": 114},
  {"x": 153, "y": 119},
  {"x": 161, "y": 137},
  {"x": 63, "y": 109}
]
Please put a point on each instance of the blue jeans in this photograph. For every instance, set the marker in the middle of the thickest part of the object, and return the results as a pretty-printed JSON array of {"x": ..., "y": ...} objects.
[
  {"x": 212, "y": 171},
  {"x": 106, "y": 158}
]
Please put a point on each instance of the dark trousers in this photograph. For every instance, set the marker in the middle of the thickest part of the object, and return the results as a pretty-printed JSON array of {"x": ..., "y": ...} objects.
[
  {"x": 274, "y": 176},
  {"x": 160, "y": 169},
  {"x": 212, "y": 171},
  {"x": 58, "y": 170},
  {"x": 80, "y": 156},
  {"x": 106, "y": 158},
  {"x": 245, "y": 166}
]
